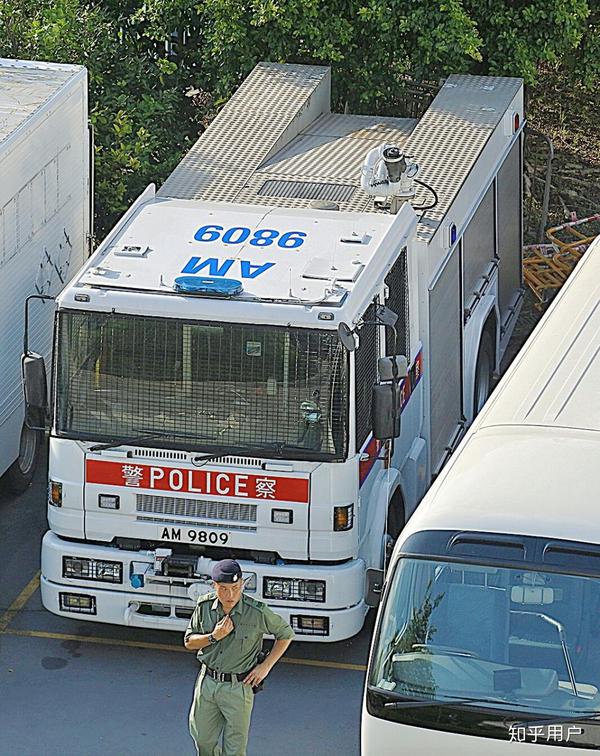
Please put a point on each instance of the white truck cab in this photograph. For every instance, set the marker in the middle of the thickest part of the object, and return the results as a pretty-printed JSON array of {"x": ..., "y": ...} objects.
[
  {"x": 204, "y": 406},
  {"x": 488, "y": 638}
]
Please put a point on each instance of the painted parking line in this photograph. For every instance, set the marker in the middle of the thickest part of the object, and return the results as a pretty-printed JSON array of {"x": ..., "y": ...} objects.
[
  {"x": 32, "y": 586},
  {"x": 19, "y": 602},
  {"x": 168, "y": 647}
]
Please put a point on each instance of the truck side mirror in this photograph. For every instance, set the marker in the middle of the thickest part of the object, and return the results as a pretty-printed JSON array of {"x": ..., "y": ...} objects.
[
  {"x": 385, "y": 367},
  {"x": 35, "y": 389},
  {"x": 385, "y": 405},
  {"x": 374, "y": 587}
]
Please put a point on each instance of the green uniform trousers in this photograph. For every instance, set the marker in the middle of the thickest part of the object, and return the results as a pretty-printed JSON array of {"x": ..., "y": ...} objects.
[{"x": 220, "y": 708}]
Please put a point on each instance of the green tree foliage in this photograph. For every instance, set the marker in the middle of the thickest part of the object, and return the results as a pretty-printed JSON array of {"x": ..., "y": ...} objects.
[
  {"x": 159, "y": 68},
  {"x": 518, "y": 36},
  {"x": 141, "y": 117}
]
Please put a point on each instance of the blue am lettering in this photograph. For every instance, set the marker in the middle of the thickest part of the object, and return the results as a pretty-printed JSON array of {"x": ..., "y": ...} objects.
[{"x": 214, "y": 267}]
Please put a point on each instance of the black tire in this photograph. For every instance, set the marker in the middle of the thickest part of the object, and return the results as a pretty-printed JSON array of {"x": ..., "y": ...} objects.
[
  {"x": 396, "y": 520},
  {"x": 20, "y": 474},
  {"x": 484, "y": 371}
]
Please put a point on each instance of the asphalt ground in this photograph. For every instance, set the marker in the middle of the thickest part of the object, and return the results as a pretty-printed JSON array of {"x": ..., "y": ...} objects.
[{"x": 73, "y": 688}]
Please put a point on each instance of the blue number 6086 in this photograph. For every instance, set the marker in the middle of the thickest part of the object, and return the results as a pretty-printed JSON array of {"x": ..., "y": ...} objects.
[{"x": 262, "y": 237}]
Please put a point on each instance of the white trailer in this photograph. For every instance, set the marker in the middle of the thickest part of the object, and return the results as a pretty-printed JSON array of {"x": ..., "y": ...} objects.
[
  {"x": 44, "y": 224},
  {"x": 278, "y": 244},
  {"x": 488, "y": 639}
]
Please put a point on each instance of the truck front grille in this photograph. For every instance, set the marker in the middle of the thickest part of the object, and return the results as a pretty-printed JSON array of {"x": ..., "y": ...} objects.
[{"x": 223, "y": 514}]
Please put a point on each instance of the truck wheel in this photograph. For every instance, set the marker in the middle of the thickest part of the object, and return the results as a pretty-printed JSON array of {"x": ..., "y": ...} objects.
[
  {"x": 483, "y": 372},
  {"x": 20, "y": 474},
  {"x": 395, "y": 523}
]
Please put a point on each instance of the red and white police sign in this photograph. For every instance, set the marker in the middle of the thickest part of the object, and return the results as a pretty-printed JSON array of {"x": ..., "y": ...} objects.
[{"x": 206, "y": 482}]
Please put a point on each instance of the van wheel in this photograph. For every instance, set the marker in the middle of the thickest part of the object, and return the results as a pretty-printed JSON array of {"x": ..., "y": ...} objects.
[
  {"x": 395, "y": 523},
  {"x": 483, "y": 372},
  {"x": 20, "y": 474}
]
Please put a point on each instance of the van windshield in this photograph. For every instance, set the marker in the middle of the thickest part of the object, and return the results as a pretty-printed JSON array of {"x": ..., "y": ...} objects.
[
  {"x": 213, "y": 386},
  {"x": 512, "y": 639}
]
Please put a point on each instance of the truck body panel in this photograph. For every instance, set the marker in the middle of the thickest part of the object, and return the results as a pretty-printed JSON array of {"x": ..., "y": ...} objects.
[{"x": 44, "y": 213}]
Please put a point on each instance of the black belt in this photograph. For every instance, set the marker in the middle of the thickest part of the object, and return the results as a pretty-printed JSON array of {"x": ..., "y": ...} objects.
[{"x": 224, "y": 676}]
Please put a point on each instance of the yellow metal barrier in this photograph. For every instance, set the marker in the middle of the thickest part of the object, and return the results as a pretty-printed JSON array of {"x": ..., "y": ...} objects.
[{"x": 547, "y": 266}]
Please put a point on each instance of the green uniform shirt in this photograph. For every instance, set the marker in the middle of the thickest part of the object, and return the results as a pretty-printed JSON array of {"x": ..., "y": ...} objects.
[{"x": 237, "y": 652}]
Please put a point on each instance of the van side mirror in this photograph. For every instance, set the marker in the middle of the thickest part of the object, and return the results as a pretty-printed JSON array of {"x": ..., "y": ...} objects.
[
  {"x": 374, "y": 587},
  {"x": 35, "y": 389}
]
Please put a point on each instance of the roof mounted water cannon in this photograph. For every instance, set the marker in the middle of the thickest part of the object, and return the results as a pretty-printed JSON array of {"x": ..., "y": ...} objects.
[{"x": 389, "y": 176}]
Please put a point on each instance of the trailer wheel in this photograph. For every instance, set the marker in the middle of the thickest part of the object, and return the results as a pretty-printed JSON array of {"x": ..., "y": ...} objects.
[
  {"x": 483, "y": 372},
  {"x": 395, "y": 523},
  {"x": 20, "y": 474}
]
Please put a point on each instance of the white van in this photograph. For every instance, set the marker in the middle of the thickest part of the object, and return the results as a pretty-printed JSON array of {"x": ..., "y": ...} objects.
[{"x": 488, "y": 637}]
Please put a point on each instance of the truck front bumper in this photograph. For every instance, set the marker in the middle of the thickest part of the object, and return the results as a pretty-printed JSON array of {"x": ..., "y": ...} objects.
[{"x": 166, "y": 603}]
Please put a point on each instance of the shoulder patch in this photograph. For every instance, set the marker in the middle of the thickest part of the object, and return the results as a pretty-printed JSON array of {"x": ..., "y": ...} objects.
[
  {"x": 255, "y": 603},
  {"x": 210, "y": 596}
]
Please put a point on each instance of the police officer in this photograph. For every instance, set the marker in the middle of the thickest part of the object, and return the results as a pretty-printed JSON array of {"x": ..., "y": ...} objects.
[{"x": 227, "y": 629}]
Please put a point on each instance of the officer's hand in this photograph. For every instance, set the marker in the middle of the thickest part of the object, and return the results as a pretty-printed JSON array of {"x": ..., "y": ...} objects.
[
  {"x": 223, "y": 627},
  {"x": 258, "y": 674}
]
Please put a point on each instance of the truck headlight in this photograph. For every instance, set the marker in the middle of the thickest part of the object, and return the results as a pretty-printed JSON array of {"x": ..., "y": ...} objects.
[
  {"x": 293, "y": 589},
  {"x": 306, "y": 625},
  {"x": 80, "y": 603},
  {"x": 101, "y": 570}
]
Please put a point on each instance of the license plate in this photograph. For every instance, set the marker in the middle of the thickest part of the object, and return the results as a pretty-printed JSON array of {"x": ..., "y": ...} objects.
[{"x": 194, "y": 535}]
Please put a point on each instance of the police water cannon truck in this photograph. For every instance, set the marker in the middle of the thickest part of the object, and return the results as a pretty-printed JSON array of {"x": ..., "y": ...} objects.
[
  {"x": 488, "y": 637},
  {"x": 44, "y": 233},
  {"x": 232, "y": 364}
]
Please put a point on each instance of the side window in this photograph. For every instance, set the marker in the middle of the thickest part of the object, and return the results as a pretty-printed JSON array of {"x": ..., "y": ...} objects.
[
  {"x": 365, "y": 375},
  {"x": 397, "y": 300}
]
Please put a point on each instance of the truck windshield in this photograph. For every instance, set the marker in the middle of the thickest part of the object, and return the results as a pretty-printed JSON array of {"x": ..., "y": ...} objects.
[
  {"x": 526, "y": 642},
  {"x": 214, "y": 386}
]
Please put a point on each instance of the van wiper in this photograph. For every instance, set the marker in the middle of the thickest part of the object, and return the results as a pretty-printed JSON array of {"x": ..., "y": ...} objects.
[
  {"x": 562, "y": 635},
  {"x": 402, "y": 703},
  {"x": 145, "y": 437},
  {"x": 562, "y": 718}
]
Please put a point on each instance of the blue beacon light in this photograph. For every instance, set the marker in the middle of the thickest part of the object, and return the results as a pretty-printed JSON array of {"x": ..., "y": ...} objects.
[
  {"x": 453, "y": 234},
  {"x": 208, "y": 286}
]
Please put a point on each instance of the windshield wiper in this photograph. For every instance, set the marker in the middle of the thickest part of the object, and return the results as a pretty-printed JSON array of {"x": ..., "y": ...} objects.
[
  {"x": 562, "y": 636},
  {"x": 275, "y": 447},
  {"x": 402, "y": 703},
  {"x": 562, "y": 718},
  {"x": 144, "y": 437}
]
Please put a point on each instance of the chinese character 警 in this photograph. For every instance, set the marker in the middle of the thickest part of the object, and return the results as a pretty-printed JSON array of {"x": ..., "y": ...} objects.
[
  {"x": 265, "y": 488},
  {"x": 132, "y": 475}
]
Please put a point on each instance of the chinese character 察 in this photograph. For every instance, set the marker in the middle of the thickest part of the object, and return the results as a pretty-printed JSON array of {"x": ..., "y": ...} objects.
[{"x": 265, "y": 488}]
